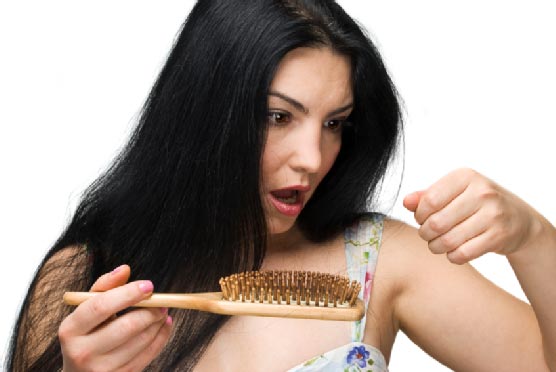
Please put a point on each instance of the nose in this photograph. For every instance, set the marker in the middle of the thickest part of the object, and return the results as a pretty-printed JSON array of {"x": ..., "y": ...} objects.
[{"x": 307, "y": 154}]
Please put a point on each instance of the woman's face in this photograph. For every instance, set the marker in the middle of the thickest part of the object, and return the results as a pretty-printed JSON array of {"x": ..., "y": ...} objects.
[{"x": 309, "y": 99}]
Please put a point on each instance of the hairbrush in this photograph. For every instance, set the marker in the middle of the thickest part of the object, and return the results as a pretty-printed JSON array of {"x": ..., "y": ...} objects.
[{"x": 285, "y": 294}]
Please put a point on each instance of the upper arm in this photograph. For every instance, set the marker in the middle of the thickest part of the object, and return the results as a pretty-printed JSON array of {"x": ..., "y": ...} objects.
[{"x": 455, "y": 314}]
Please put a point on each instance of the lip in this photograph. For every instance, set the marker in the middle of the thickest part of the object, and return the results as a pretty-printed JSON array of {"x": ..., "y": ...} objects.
[
  {"x": 290, "y": 210},
  {"x": 300, "y": 188}
]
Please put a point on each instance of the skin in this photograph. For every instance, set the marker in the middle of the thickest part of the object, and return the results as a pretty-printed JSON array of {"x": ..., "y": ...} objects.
[
  {"x": 423, "y": 283},
  {"x": 305, "y": 116},
  {"x": 94, "y": 339},
  {"x": 463, "y": 216}
]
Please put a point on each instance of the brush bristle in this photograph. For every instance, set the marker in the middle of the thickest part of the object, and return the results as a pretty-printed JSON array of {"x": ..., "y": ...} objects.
[{"x": 291, "y": 287}]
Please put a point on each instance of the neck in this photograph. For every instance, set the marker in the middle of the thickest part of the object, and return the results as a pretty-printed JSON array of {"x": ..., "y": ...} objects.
[{"x": 285, "y": 241}]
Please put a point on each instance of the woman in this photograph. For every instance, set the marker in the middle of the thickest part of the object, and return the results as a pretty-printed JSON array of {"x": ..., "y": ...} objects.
[{"x": 282, "y": 96}]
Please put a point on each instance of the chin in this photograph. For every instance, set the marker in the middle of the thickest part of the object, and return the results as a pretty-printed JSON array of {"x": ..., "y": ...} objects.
[{"x": 280, "y": 225}]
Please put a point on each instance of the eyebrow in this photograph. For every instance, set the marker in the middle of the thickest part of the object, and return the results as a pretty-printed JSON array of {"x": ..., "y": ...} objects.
[{"x": 299, "y": 106}]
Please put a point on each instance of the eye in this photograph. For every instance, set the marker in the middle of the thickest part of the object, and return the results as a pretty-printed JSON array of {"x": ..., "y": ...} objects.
[
  {"x": 336, "y": 125},
  {"x": 279, "y": 118}
]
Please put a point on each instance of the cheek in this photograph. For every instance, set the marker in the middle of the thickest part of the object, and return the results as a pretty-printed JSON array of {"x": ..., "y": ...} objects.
[
  {"x": 328, "y": 159},
  {"x": 270, "y": 161},
  {"x": 329, "y": 156},
  {"x": 274, "y": 152}
]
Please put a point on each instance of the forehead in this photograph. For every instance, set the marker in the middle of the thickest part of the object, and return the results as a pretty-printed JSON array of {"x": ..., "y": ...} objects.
[{"x": 314, "y": 75}]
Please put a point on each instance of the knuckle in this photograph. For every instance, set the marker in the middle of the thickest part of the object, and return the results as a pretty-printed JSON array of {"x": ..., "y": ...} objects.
[
  {"x": 128, "y": 326},
  {"x": 496, "y": 214},
  {"x": 468, "y": 172},
  {"x": 147, "y": 335},
  {"x": 500, "y": 217},
  {"x": 144, "y": 338},
  {"x": 98, "y": 307},
  {"x": 429, "y": 198},
  {"x": 487, "y": 191},
  {"x": 81, "y": 357},
  {"x": 468, "y": 253},
  {"x": 500, "y": 213},
  {"x": 434, "y": 247},
  {"x": 448, "y": 242},
  {"x": 64, "y": 331},
  {"x": 138, "y": 321},
  {"x": 457, "y": 257},
  {"x": 433, "y": 200},
  {"x": 463, "y": 256},
  {"x": 423, "y": 233},
  {"x": 436, "y": 224}
]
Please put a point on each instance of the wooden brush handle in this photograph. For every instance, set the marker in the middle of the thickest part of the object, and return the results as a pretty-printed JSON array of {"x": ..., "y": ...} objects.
[
  {"x": 193, "y": 301},
  {"x": 213, "y": 302}
]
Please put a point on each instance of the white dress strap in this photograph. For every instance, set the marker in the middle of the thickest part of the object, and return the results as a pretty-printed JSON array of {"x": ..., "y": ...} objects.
[{"x": 362, "y": 244}]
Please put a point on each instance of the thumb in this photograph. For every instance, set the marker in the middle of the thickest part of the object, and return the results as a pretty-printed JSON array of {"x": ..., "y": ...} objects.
[
  {"x": 411, "y": 201},
  {"x": 116, "y": 278}
]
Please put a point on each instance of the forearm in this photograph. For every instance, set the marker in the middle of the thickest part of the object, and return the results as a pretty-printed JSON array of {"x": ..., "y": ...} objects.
[{"x": 535, "y": 268}]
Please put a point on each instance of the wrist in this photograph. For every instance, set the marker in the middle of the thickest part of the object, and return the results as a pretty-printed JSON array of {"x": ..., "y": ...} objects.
[{"x": 541, "y": 237}]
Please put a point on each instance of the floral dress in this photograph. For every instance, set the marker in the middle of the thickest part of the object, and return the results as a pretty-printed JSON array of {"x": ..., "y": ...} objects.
[{"x": 362, "y": 243}]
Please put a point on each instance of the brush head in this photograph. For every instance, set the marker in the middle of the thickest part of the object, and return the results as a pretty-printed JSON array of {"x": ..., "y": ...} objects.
[{"x": 291, "y": 287}]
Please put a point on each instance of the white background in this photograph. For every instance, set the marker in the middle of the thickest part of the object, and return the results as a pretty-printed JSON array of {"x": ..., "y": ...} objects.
[{"x": 477, "y": 78}]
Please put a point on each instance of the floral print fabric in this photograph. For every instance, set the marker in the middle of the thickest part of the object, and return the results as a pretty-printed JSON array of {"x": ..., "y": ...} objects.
[
  {"x": 362, "y": 243},
  {"x": 353, "y": 357}
]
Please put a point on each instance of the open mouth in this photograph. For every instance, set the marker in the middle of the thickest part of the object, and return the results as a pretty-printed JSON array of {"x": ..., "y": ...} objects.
[
  {"x": 286, "y": 196},
  {"x": 287, "y": 201}
]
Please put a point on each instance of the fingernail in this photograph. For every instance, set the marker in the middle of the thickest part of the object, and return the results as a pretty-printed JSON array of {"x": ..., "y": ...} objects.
[
  {"x": 116, "y": 270},
  {"x": 169, "y": 320},
  {"x": 163, "y": 310},
  {"x": 146, "y": 286}
]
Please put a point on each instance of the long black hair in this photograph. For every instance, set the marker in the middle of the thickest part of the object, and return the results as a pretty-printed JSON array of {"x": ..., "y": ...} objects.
[{"x": 181, "y": 203}]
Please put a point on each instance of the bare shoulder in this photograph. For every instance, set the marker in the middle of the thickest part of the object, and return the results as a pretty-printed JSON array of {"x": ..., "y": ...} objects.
[
  {"x": 389, "y": 282},
  {"x": 394, "y": 260},
  {"x": 406, "y": 258},
  {"x": 401, "y": 253}
]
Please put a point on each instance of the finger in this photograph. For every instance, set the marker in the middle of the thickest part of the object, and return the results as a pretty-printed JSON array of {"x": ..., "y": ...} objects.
[
  {"x": 411, "y": 201},
  {"x": 441, "y": 193},
  {"x": 459, "y": 234},
  {"x": 133, "y": 347},
  {"x": 116, "y": 278},
  {"x": 95, "y": 311},
  {"x": 144, "y": 358},
  {"x": 126, "y": 327},
  {"x": 457, "y": 211},
  {"x": 471, "y": 249}
]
